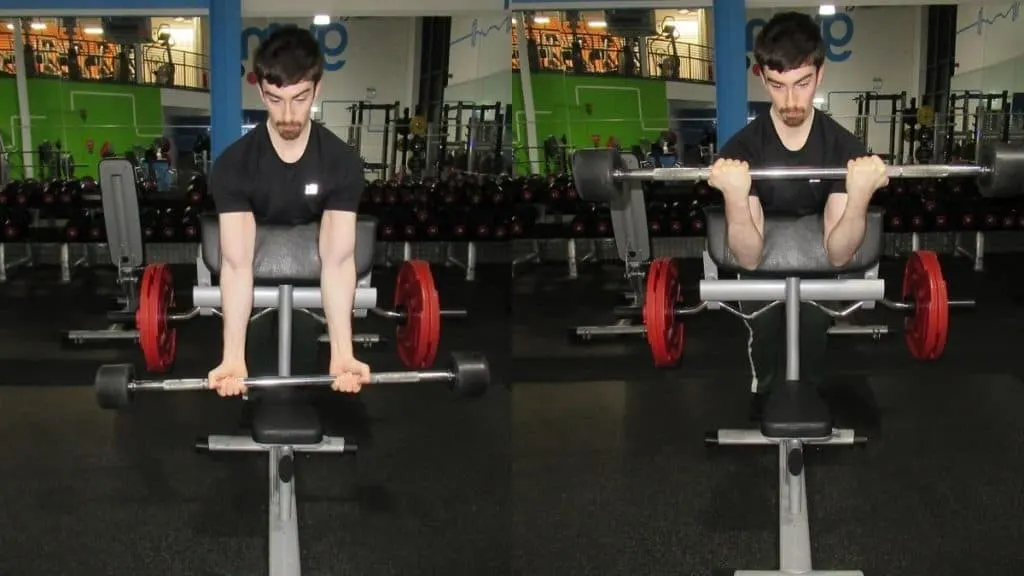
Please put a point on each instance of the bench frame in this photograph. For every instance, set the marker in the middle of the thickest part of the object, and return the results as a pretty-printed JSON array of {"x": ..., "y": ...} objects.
[{"x": 283, "y": 532}]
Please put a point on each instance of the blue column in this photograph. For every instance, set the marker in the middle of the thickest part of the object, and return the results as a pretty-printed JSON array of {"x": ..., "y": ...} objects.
[
  {"x": 225, "y": 52},
  {"x": 730, "y": 67}
]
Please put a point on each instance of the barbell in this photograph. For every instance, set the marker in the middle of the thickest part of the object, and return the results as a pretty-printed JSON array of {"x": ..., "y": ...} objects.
[
  {"x": 468, "y": 375},
  {"x": 999, "y": 172}
]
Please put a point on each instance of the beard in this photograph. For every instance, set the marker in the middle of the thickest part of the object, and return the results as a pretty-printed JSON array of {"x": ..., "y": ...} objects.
[
  {"x": 793, "y": 116},
  {"x": 289, "y": 130}
]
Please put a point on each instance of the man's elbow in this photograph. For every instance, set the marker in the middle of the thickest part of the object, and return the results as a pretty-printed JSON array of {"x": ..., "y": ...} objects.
[
  {"x": 749, "y": 264},
  {"x": 838, "y": 262},
  {"x": 342, "y": 262},
  {"x": 232, "y": 263},
  {"x": 838, "y": 259}
]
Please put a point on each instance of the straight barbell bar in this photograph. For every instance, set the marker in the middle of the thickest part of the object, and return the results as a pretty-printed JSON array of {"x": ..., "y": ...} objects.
[
  {"x": 597, "y": 172},
  {"x": 468, "y": 374}
]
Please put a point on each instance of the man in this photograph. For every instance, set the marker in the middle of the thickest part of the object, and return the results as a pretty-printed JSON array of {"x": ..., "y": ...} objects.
[
  {"x": 288, "y": 170},
  {"x": 790, "y": 55}
]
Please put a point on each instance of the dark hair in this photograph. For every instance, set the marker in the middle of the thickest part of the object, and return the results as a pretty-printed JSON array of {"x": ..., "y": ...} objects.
[
  {"x": 789, "y": 41},
  {"x": 287, "y": 56}
]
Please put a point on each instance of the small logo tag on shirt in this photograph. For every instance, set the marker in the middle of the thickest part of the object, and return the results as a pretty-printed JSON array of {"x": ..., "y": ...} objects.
[{"x": 312, "y": 189}]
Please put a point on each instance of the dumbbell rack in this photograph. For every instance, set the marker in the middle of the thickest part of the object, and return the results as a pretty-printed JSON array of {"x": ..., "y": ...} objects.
[{"x": 23, "y": 261}]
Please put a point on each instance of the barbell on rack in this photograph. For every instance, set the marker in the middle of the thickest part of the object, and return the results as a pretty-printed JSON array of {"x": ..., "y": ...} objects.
[
  {"x": 999, "y": 172},
  {"x": 468, "y": 375}
]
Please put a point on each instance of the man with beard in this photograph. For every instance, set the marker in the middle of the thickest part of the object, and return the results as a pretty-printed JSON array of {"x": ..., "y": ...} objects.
[
  {"x": 287, "y": 171},
  {"x": 790, "y": 57}
]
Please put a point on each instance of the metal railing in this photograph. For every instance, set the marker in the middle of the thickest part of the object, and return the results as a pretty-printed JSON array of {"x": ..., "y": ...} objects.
[
  {"x": 604, "y": 54},
  {"x": 53, "y": 56}
]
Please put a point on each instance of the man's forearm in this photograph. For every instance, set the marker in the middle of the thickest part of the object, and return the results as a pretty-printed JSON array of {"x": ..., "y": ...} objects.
[
  {"x": 337, "y": 289},
  {"x": 845, "y": 239},
  {"x": 745, "y": 242},
  {"x": 236, "y": 305}
]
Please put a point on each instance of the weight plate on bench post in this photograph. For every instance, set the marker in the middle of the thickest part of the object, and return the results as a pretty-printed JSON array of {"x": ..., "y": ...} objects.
[
  {"x": 156, "y": 297},
  {"x": 416, "y": 296},
  {"x": 664, "y": 331},
  {"x": 927, "y": 329}
]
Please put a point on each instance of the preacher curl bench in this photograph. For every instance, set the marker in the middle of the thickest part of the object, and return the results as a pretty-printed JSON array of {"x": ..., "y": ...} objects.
[
  {"x": 794, "y": 414},
  {"x": 285, "y": 423}
]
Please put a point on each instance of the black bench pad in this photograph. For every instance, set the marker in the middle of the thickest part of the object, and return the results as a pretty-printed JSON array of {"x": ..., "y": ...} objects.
[
  {"x": 290, "y": 421},
  {"x": 795, "y": 410},
  {"x": 794, "y": 245},
  {"x": 287, "y": 254}
]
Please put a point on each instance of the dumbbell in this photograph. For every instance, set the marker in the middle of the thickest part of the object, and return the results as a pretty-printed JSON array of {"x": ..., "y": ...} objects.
[
  {"x": 76, "y": 227},
  {"x": 70, "y": 192},
  {"x": 468, "y": 375},
  {"x": 97, "y": 229}
]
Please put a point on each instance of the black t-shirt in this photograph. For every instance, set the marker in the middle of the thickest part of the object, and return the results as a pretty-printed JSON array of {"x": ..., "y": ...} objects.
[
  {"x": 828, "y": 145},
  {"x": 249, "y": 176}
]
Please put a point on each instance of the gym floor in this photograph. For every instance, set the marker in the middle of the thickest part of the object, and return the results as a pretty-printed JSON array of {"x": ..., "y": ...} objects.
[{"x": 580, "y": 460}]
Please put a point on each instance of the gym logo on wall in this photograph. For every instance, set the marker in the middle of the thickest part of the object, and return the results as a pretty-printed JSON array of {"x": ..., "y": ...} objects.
[{"x": 333, "y": 40}]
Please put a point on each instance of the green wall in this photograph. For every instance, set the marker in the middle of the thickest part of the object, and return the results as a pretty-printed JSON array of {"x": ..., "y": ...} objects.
[
  {"x": 75, "y": 112},
  {"x": 580, "y": 107}
]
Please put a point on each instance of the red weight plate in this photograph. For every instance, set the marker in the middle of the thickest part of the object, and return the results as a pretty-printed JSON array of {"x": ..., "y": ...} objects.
[
  {"x": 939, "y": 304},
  {"x": 156, "y": 297},
  {"x": 652, "y": 316},
  {"x": 416, "y": 295},
  {"x": 915, "y": 288},
  {"x": 664, "y": 330},
  {"x": 431, "y": 313}
]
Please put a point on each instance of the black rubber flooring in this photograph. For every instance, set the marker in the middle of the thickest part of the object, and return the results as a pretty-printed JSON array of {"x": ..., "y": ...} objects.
[{"x": 581, "y": 460}]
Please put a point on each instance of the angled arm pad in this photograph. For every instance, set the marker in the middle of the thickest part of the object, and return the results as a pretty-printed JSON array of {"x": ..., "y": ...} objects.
[
  {"x": 287, "y": 254},
  {"x": 794, "y": 245}
]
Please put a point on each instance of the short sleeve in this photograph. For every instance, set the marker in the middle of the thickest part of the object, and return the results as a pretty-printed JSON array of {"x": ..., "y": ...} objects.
[
  {"x": 228, "y": 195},
  {"x": 847, "y": 147},
  {"x": 739, "y": 148},
  {"x": 345, "y": 194}
]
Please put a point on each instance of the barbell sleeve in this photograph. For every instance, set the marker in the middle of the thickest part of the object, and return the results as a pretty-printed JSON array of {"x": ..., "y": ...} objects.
[
  {"x": 911, "y": 306},
  {"x": 796, "y": 173},
  {"x": 189, "y": 384},
  {"x": 400, "y": 315}
]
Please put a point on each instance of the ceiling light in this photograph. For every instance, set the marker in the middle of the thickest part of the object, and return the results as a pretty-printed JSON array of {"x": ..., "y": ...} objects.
[
  {"x": 827, "y": 10},
  {"x": 321, "y": 20}
]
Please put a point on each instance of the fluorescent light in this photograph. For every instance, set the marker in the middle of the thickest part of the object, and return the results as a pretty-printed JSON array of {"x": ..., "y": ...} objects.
[
  {"x": 827, "y": 10},
  {"x": 181, "y": 35},
  {"x": 597, "y": 24},
  {"x": 314, "y": 109},
  {"x": 683, "y": 28},
  {"x": 819, "y": 100},
  {"x": 93, "y": 31},
  {"x": 321, "y": 20},
  {"x": 541, "y": 20},
  {"x": 38, "y": 26}
]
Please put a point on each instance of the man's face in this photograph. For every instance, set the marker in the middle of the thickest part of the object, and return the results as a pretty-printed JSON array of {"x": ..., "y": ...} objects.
[
  {"x": 289, "y": 107},
  {"x": 792, "y": 92}
]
